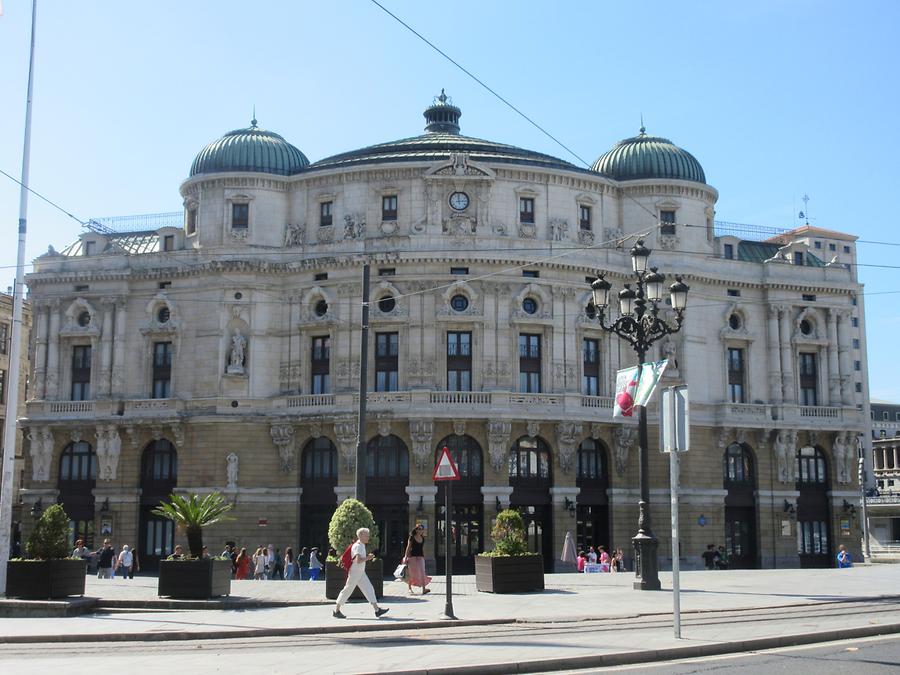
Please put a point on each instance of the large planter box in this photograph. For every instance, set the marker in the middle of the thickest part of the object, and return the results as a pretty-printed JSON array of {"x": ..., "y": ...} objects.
[
  {"x": 194, "y": 579},
  {"x": 41, "y": 579},
  {"x": 511, "y": 574},
  {"x": 335, "y": 578}
]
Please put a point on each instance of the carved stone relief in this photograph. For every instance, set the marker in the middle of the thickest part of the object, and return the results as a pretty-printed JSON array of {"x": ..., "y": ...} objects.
[
  {"x": 283, "y": 438},
  {"x": 625, "y": 438},
  {"x": 559, "y": 229},
  {"x": 498, "y": 442},
  {"x": 231, "y": 470},
  {"x": 294, "y": 235},
  {"x": 567, "y": 435},
  {"x": 346, "y": 433},
  {"x": 109, "y": 448},
  {"x": 421, "y": 431},
  {"x": 41, "y": 453}
]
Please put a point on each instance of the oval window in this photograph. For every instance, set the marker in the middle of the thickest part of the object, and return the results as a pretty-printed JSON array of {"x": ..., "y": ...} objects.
[
  {"x": 529, "y": 305},
  {"x": 806, "y": 327},
  {"x": 84, "y": 319},
  {"x": 459, "y": 303},
  {"x": 387, "y": 304},
  {"x": 163, "y": 315},
  {"x": 734, "y": 321},
  {"x": 321, "y": 308}
]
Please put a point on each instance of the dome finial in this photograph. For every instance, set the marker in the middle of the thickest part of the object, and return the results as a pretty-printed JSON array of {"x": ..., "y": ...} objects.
[
  {"x": 253, "y": 121},
  {"x": 442, "y": 116},
  {"x": 443, "y": 97},
  {"x": 643, "y": 128}
]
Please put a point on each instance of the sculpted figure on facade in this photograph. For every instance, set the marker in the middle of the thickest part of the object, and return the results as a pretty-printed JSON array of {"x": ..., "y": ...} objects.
[
  {"x": 283, "y": 438},
  {"x": 41, "y": 453},
  {"x": 843, "y": 457},
  {"x": 459, "y": 427},
  {"x": 346, "y": 433},
  {"x": 294, "y": 235},
  {"x": 236, "y": 356},
  {"x": 498, "y": 442},
  {"x": 231, "y": 470},
  {"x": 354, "y": 226},
  {"x": 533, "y": 428},
  {"x": 782, "y": 438},
  {"x": 625, "y": 437},
  {"x": 559, "y": 229},
  {"x": 109, "y": 465},
  {"x": 567, "y": 435},
  {"x": 421, "y": 431}
]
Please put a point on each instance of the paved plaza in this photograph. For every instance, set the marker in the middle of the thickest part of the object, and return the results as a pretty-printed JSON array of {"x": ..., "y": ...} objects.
[{"x": 577, "y": 617}]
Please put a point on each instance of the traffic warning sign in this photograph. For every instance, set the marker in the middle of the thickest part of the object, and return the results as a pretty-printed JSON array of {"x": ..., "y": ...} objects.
[{"x": 446, "y": 467}]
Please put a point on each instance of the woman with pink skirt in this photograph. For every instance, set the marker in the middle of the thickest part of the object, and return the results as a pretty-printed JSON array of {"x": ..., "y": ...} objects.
[{"x": 415, "y": 560}]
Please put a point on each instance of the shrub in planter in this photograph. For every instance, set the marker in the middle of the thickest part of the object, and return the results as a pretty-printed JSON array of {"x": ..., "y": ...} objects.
[
  {"x": 349, "y": 516},
  {"x": 194, "y": 577},
  {"x": 510, "y": 567},
  {"x": 48, "y": 572}
]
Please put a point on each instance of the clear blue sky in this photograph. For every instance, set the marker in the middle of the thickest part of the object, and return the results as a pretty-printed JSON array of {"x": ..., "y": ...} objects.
[{"x": 776, "y": 99}]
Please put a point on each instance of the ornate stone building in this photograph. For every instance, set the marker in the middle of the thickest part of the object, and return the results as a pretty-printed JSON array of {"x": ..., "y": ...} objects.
[{"x": 224, "y": 352}]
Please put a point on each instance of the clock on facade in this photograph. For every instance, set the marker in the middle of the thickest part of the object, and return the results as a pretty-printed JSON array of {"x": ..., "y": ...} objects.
[{"x": 459, "y": 201}]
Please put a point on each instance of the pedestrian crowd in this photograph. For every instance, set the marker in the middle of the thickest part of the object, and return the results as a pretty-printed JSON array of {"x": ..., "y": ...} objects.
[
  {"x": 109, "y": 563},
  {"x": 269, "y": 563},
  {"x": 715, "y": 558},
  {"x": 598, "y": 560}
]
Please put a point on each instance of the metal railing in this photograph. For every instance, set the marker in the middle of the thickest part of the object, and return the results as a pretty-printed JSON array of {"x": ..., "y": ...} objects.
[{"x": 137, "y": 223}]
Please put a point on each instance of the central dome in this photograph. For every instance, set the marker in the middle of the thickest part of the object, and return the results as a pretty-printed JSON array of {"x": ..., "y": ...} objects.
[
  {"x": 646, "y": 156},
  {"x": 250, "y": 149}
]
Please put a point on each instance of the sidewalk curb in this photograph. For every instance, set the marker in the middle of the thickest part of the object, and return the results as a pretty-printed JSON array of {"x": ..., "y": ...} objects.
[{"x": 654, "y": 655}]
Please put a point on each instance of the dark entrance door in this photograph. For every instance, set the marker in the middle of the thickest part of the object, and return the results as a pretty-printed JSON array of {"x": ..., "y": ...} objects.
[
  {"x": 159, "y": 476},
  {"x": 466, "y": 538},
  {"x": 77, "y": 478},
  {"x": 530, "y": 478},
  {"x": 592, "y": 513},
  {"x": 393, "y": 530},
  {"x": 387, "y": 475},
  {"x": 157, "y": 539},
  {"x": 813, "y": 515},
  {"x": 318, "y": 477},
  {"x": 592, "y": 527},
  {"x": 740, "y": 507}
]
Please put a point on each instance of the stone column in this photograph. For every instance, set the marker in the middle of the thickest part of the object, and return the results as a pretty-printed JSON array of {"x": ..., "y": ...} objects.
[
  {"x": 844, "y": 357},
  {"x": 117, "y": 387},
  {"x": 834, "y": 375},
  {"x": 775, "y": 392},
  {"x": 53, "y": 352},
  {"x": 40, "y": 350},
  {"x": 103, "y": 382},
  {"x": 787, "y": 357}
]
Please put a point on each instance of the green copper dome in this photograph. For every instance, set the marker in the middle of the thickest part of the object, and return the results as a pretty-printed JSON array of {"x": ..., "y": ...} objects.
[
  {"x": 251, "y": 149},
  {"x": 646, "y": 156}
]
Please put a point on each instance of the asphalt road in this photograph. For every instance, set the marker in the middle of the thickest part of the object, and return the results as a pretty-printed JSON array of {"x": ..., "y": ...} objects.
[{"x": 869, "y": 656}]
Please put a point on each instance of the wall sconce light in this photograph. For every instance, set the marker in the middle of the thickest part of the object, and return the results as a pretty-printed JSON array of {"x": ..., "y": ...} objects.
[
  {"x": 499, "y": 505},
  {"x": 570, "y": 506},
  {"x": 848, "y": 508},
  {"x": 104, "y": 507},
  {"x": 420, "y": 509},
  {"x": 37, "y": 508},
  {"x": 789, "y": 508}
]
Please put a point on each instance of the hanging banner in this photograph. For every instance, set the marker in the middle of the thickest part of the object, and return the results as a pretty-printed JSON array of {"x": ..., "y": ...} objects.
[{"x": 635, "y": 386}]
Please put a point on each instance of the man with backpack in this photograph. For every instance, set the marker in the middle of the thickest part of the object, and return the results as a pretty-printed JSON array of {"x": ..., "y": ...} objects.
[{"x": 354, "y": 561}]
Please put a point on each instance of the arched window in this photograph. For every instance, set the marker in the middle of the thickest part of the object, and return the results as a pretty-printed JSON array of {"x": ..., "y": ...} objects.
[
  {"x": 529, "y": 460},
  {"x": 738, "y": 465},
  {"x": 319, "y": 461},
  {"x": 159, "y": 463},
  {"x": 811, "y": 467},
  {"x": 78, "y": 463},
  {"x": 466, "y": 453},
  {"x": 387, "y": 457},
  {"x": 591, "y": 461}
]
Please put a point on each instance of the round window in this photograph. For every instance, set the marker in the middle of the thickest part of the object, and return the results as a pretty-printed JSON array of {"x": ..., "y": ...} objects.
[
  {"x": 806, "y": 327},
  {"x": 529, "y": 305},
  {"x": 321, "y": 308},
  {"x": 459, "y": 303},
  {"x": 163, "y": 315},
  {"x": 734, "y": 321},
  {"x": 238, "y": 295},
  {"x": 84, "y": 319},
  {"x": 387, "y": 304}
]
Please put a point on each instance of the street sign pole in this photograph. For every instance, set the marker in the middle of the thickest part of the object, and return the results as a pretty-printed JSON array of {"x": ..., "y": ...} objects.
[
  {"x": 675, "y": 434},
  {"x": 676, "y": 572},
  {"x": 448, "y": 605}
]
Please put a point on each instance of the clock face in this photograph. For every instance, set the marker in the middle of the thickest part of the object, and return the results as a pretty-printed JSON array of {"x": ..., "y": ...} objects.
[{"x": 459, "y": 201}]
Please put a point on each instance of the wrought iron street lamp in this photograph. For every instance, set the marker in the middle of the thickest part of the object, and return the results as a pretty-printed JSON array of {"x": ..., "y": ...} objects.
[{"x": 640, "y": 325}]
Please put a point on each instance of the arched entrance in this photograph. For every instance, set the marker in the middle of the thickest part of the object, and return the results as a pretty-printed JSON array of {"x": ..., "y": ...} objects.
[
  {"x": 159, "y": 476},
  {"x": 387, "y": 475},
  {"x": 530, "y": 477},
  {"x": 592, "y": 514},
  {"x": 77, "y": 478},
  {"x": 318, "y": 478},
  {"x": 466, "y": 535},
  {"x": 740, "y": 507},
  {"x": 813, "y": 514}
]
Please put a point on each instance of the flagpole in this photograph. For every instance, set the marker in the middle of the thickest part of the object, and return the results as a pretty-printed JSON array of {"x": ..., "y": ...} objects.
[{"x": 12, "y": 397}]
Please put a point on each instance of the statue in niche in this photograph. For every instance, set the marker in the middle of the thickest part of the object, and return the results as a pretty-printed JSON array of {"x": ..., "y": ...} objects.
[
  {"x": 231, "y": 470},
  {"x": 236, "y": 359}
]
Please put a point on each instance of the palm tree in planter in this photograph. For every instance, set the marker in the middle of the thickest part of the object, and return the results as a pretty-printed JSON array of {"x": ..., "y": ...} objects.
[
  {"x": 350, "y": 516},
  {"x": 48, "y": 572},
  {"x": 510, "y": 567},
  {"x": 194, "y": 576}
]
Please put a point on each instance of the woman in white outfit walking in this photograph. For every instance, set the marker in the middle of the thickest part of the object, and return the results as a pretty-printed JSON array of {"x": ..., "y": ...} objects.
[{"x": 356, "y": 576}]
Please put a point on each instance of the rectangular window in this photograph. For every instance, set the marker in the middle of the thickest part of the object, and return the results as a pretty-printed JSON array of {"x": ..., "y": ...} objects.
[
  {"x": 4, "y": 338},
  {"x": 321, "y": 276},
  {"x": 734, "y": 293},
  {"x": 817, "y": 244},
  {"x": 885, "y": 415},
  {"x": 526, "y": 209},
  {"x": 728, "y": 251},
  {"x": 667, "y": 222},
  {"x": 240, "y": 216},
  {"x": 854, "y": 321},
  {"x": 736, "y": 375},
  {"x": 320, "y": 365},
  {"x": 169, "y": 242},
  {"x": 163, "y": 285},
  {"x": 846, "y": 249},
  {"x": 89, "y": 247},
  {"x": 325, "y": 214},
  {"x": 459, "y": 361},
  {"x": 590, "y": 363},
  {"x": 832, "y": 247},
  {"x": 2, "y": 386},
  {"x": 389, "y": 207},
  {"x": 584, "y": 218},
  {"x": 531, "y": 274},
  {"x": 387, "y": 347},
  {"x": 81, "y": 373},
  {"x": 529, "y": 363},
  {"x": 808, "y": 297},
  {"x": 461, "y": 271},
  {"x": 855, "y": 343},
  {"x": 82, "y": 287},
  {"x": 387, "y": 271},
  {"x": 808, "y": 379},
  {"x": 859, "y": 387},
  {"x": 857, "y": 365},
  {"x": 191, "y": 225},
  {"x": 162, "y": 370},
  {"x": 798, "y": 257}
]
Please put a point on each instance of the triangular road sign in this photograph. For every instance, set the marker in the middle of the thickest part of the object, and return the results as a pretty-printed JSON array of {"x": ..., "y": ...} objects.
[{"x": 446, "y": 467}]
